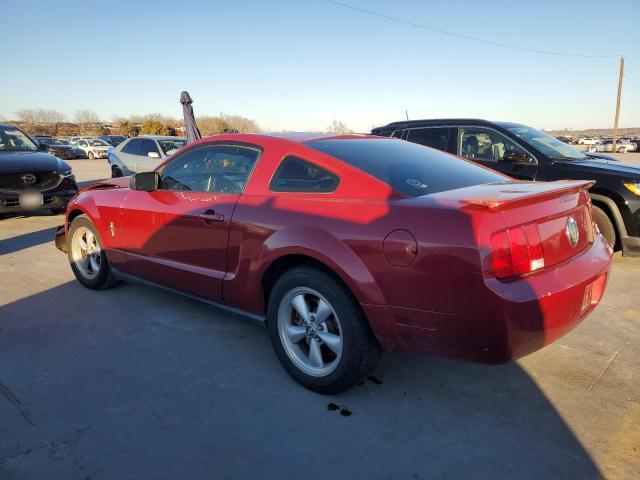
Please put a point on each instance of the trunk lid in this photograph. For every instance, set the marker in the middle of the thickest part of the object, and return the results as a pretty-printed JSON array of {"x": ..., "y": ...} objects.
[{"x": 546, "y": 222}]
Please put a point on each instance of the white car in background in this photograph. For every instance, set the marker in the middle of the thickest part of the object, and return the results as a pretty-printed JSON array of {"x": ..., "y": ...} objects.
[
  {"x": 621, "y": 146},
  {"x": 143, "y": 153},
  {"x": 589, "y": 141},
  {"x": 93, "y": 147}
]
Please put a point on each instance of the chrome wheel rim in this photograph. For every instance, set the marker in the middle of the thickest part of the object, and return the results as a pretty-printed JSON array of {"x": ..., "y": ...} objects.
[
  {"x": 310, "y": 331},
  {"x": 86, "y": 253}
]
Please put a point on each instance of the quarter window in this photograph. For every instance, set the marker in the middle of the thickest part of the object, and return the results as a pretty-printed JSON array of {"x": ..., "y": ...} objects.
[
  {"x": 132, "y": 147},
  {"x": 431, "y": 137},
  {"x": 297, "y": 175},
  {"x": 484, "y": 144},
  {"x": 213, "y": 168}
]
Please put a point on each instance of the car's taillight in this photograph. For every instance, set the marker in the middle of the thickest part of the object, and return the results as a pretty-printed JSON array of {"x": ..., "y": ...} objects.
[{"x": 516, "y": 251}]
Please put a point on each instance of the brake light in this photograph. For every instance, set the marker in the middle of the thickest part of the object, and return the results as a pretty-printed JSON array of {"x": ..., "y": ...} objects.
[{"x": 516, "y": 251}]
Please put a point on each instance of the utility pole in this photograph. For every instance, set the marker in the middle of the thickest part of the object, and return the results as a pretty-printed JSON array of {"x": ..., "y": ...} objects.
[
  {"x": 615, "y": 125},
  {"x": 406, "y": 112}
]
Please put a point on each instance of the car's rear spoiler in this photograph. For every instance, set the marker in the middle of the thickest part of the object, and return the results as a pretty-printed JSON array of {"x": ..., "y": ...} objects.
[{"x": 499, "y": 196}]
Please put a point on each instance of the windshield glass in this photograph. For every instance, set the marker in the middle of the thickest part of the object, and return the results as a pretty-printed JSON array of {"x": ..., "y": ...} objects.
[
  {"x": 13, "y": 140},
  {"x": 550, "y": 146},
  {"x": 98, "y": 143},
  {"x": 408, "y": 168},
  {"x": 171, "y": 146}
]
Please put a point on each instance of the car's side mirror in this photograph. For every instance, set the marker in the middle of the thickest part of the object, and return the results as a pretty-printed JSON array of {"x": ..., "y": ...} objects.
[
  {"x": 145, "y": 181},
  {"x": 515, "y": 156},
  {"x": 153, "y": 155}
]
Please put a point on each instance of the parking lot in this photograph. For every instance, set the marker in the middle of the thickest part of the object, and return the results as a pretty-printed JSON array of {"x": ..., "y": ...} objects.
[{"x": 134, "y": 382}]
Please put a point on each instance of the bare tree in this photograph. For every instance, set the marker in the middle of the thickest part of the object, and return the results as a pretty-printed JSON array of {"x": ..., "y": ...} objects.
[
  {"x": 40, "y": 115},
  {"x": 86, "y": 117},
  {"x": 339, "y": 128},
  {"x": 240, "y": 124}
]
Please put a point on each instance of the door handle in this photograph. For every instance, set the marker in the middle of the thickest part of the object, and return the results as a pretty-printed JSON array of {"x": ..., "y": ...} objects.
[{"x": 210, "y": 217}]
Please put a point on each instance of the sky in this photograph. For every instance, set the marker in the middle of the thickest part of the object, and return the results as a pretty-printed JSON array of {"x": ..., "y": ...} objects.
[{"x": 298, "y": 65}]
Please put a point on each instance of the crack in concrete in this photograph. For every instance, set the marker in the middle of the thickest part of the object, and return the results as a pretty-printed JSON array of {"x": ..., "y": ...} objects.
[
  {"x": 607, "y": 366},
  {"x": 24, "y": 412}
]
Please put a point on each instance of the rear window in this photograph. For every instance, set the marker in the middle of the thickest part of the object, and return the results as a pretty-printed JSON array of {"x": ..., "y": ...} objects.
[{"x": 411, "y": 169}]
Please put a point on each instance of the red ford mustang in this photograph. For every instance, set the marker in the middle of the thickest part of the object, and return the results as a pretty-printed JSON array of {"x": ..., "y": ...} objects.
[{"x": 350, "y": 245}]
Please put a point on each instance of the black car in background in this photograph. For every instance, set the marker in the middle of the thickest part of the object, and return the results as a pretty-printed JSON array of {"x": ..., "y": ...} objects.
[
  {"x": 30, "y": 178},
  {"x": 114, "y": 140},
  {"x": 60, "y": 148},
  {"x": 526, "y": 153}
]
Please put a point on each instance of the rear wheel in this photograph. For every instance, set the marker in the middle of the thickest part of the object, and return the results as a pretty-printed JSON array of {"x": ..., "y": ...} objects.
[
  {"x": 621, "y": 150},
  {"x": 319, "y": 331},
  {"x": 88, "y": 261},
  {"x": 605, "y": 225}
]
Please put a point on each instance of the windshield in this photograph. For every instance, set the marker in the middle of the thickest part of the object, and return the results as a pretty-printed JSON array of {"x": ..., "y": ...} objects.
[
  {"x": 13, "y": 140},
  {"x": 98, "y": 143},
  {"x": 171, "y": 146},
  {"x": 408, "y": 168},
  {"x": 550, "y": 146}
]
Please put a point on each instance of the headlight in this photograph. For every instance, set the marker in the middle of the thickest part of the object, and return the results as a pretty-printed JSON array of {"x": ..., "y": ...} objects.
[{"x": 633, "y": 187}]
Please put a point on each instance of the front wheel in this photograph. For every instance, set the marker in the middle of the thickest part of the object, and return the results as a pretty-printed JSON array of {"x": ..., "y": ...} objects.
[
  {"x": 319, "y": 332},
  {"x": 86, "y": 256},
  {"x": 115, "y": 172},
  {"x": 91, "y": 156}
]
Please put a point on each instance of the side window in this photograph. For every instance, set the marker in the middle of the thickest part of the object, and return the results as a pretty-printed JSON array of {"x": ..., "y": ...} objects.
[
  {"x": 477, "y": 143},
  {"x": 397, "y": 133},
  {"x": 297, "y": 175},
  {"x": 83, "y": 143},
  {"x": 431, "y": 137},
  {"x": 213, "y": 168},
  {"x": 147, "y": 146},
  {"x": 132, "y": 147}
]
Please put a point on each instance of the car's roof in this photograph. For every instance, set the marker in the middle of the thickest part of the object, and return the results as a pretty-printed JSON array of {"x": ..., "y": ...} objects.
[
  {"x": 158, "y": 137},
  {"x": 436, "y": 121},
  {"x": 296, "y": 137}
]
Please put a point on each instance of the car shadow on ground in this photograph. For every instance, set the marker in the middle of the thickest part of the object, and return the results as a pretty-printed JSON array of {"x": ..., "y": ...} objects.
[
  {"x": 27, "y": 240},
  {"x": 136, "y": 382}
]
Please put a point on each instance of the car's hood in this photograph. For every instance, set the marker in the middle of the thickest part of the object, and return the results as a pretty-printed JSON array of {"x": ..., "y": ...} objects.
[
  {"x": 60, "y": 147},
  {"x": 633, "y": 171},
  {"x": 11, "y": 162},
  {"x": 602, "y": 156}
]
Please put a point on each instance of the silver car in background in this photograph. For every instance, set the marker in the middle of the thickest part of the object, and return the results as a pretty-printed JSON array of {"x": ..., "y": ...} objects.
[{"x": 142, "y": 154}]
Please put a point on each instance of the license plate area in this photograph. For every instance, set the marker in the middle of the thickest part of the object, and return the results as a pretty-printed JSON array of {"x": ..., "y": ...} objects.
[{"x": 31, "y": 200}]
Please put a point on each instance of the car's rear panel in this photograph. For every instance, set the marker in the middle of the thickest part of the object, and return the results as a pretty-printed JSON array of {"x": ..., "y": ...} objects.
[{"x": 504, "y": 316}]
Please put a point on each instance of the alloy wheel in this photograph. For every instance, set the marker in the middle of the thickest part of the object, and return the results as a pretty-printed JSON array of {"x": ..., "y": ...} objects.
[
  {"x": 310, "y": 331},
  {"x": 86, "y": 253}
]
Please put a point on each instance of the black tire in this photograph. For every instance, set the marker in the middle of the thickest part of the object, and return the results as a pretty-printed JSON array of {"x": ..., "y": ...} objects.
[
  {"x": 104, "y": 277},
  {"x": 115, "y": 172},
  {"x": 360, "y": 352},
  {"x": 605, "y": 225},
  {"x": 91, "y": 156}
]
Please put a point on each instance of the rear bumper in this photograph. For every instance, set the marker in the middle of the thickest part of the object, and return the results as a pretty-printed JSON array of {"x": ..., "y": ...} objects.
[{"x": 501, "y": 321}]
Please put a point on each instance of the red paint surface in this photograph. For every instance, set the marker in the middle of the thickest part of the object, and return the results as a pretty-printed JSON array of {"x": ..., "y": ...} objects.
[{"x": 446, "y": 301}]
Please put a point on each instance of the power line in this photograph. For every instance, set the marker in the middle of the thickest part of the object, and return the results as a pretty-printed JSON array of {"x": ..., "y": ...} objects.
[
  {"x": 632, "y": 81},
  {"x": 460, "y": 35},
  {"x": 632, "y": 62}
]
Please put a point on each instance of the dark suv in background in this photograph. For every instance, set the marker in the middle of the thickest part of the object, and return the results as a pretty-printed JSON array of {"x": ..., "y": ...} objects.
[
  {"x": 30, "y": 178},
  {"x": 526, "y": 153}
]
